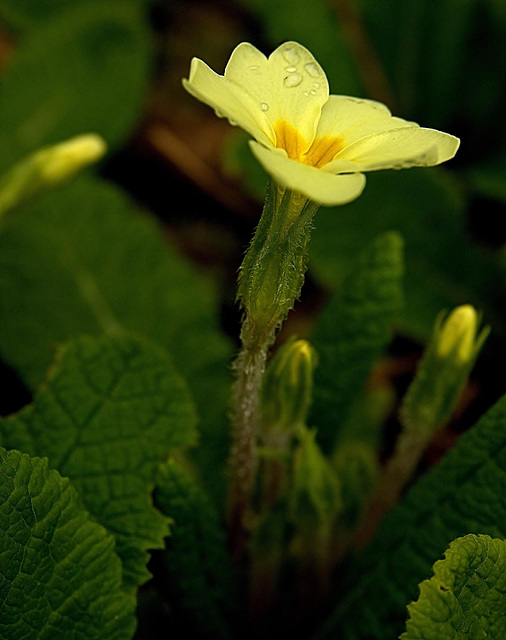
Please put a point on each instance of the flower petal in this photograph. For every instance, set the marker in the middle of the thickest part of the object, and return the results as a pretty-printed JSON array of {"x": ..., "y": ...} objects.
[
  {"x": 290, "y": 86},
  {"x": 228, "y": 99},
  {"x": 400, "y": 149},
  {"x": 353, "y": 118},
  {"x": 318, "y": 185}
]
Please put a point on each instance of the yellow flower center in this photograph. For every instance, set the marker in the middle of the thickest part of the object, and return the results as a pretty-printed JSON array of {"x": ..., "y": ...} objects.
[{"x": 319, "y": 153}]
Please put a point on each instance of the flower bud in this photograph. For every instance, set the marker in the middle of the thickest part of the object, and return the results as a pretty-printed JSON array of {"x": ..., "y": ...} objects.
[
  {"x": 287, "y": 387},
  {"x": 62, "y": 161},
  {"x": 443, "y": 370},
  {"x": 457, "y": 335},
  {"x": 47, "y": 167}
]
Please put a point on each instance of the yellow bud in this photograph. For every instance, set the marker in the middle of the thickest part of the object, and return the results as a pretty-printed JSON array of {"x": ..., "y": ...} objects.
[
  {"x": 47, "y": 167},
  {"x": 63, "y": 160},
  {"x": 458, "y": 334},
  {"x": 443, "y": 371}
]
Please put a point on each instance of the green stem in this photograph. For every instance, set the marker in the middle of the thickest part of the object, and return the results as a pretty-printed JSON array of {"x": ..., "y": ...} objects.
[
  {"x": 270, "y": 280},
  {"x": 250, "y": 367}
]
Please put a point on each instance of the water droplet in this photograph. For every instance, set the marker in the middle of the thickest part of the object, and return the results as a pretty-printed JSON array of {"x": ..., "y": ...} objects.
[
  {"x": 313, "y": 92},
  {"x": 306, "y": 93},
  {"x": 219, "y": 113},
  {"x": 312, "y": 69},
  {"x": 264, "y": 106},
  {"x": 316, "y": 85},
  {"x": 294, "y": 80},
  {"x": 290, "y": 69},
  {"x": 232, "y": 122},
  {"x": 291, "y": 56}
]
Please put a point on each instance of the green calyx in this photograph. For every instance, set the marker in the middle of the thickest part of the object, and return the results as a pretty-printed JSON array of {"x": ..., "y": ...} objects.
[{"x": 272, "y": 273}]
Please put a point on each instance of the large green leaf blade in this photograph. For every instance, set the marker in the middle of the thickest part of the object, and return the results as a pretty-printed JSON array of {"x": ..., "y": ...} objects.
[
  {"x": 111, "y": 410},
  {"x": 59, "y": 575},
  {"x": 197, "y": 569},
  {"x": 82, "y": 260},
  {"x": 466, "y": 596},
  {"x": 353, "y": 330},
  {"x": 463, "y": 494},
  {"x": 85, "y": 70}
]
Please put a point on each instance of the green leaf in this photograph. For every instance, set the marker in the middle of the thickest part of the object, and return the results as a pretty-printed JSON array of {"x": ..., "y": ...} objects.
[
  {"x": 466, "y": 596},
  {"x": 352, "y": 331},
  {"x": 26, "y": 14},
  {"x": 82, "y": 260},
  {"x": 110, "y": 411},
  {"x": 86, "y": 70},
  {"x": 443, "y": 267},
  {"x": 463, "y": 494},
  {"x": 59, "y": 575},
  {"x": 198, "y": 570}
]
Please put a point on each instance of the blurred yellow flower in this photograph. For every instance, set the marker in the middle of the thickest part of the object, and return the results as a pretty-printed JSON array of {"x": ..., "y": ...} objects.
[{"x": 307, "y": 140}]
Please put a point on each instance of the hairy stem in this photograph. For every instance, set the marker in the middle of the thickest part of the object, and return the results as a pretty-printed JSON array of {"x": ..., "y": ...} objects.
[
  {"x": 249, "y": 367},
  {"x": 270, "y": 280}
]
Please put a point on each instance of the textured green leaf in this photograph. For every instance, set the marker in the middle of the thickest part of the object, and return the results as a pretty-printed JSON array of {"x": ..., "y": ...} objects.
[
  {"x": 197, "y": 566},
  {"x": 86, "y": 70},
  {"x": 59, "y": 575},
  {"x": 466, "y": 597},
  {"x": 443, "y": 267},
  {"x": 463, "y": 494},
  {"x": 112, "y": 408},
  {"x": 352, "y": 331},
  {"x": 82, "y": 260}
]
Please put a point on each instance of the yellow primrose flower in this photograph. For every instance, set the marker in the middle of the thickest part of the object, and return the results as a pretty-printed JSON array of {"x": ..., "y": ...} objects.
[{"x": 307, "y": 140}]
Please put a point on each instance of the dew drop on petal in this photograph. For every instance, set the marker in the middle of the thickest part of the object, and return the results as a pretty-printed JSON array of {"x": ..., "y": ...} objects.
[
  {"x": 316, "y": 85},
  {"x": 290, "y": 69},
  {"x": 313, "y": 92},
  {"x": 293, "y": 80},
  {"x": 291, "y": 56},
  {"x": 306, "y": 93},
  {"x": 312, "y": 69},
  {"x": 253, "y": 67},
  {"x": 264, "y": 106}
]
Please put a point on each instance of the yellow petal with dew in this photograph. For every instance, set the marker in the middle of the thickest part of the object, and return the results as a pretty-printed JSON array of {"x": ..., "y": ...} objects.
[
  {"x": 289, "y": 86},
  {"x": 354, "y": 118},
  {"x": 229, "y": 100}
]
